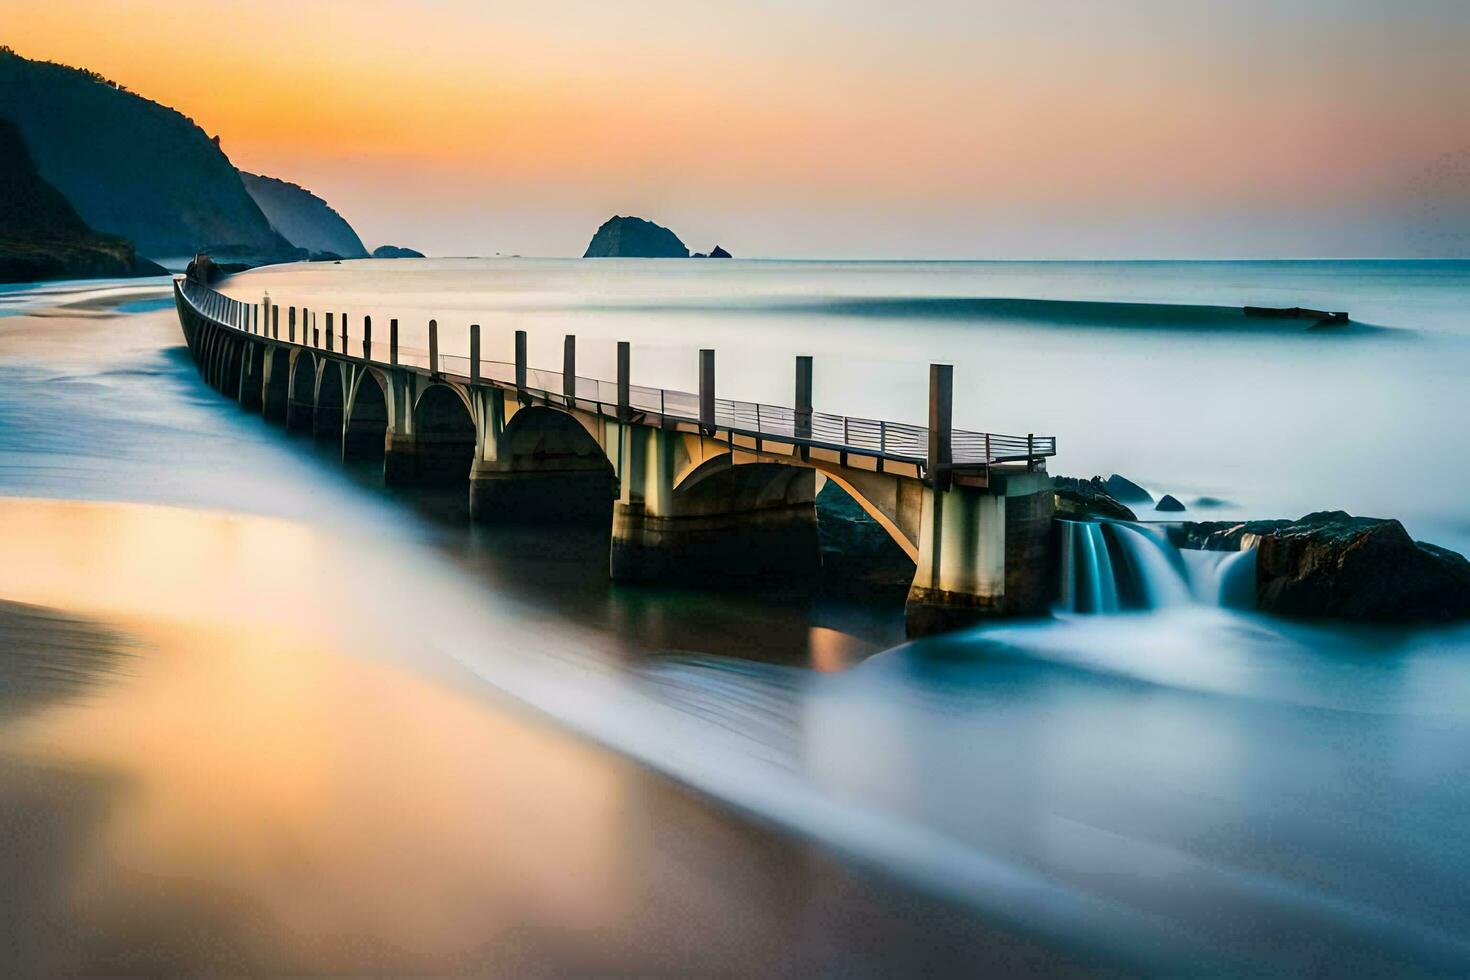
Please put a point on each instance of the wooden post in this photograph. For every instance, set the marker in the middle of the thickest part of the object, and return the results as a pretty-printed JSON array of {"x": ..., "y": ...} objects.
[
  {"x": 344, "y": 333},
  {"x": 803, "y": 396},
  {"x": 569, "y": 369},
  {"x": 393, "y": 341},
  {"x": 707, "y": 388},
  {"x": 329, "y": 331},
  {"x": 316, "y": 336},
  {"x": 275, "y": 323},
  {"x": 433, "y": 346},
  {"x": 474, "y": 353},
  {"x": 941, "y": 423},
  {"x": 367, "y": 338},
  {"x": 625, "y": 385},
  {"x": 521, "y": 365},
  {"x": 1030, "y": 451},
  {"x": 291, "y": 325}
]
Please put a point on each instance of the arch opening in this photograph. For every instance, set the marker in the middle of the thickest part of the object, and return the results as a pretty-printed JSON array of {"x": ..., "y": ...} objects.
[
  {"x": 326, "y": 423},
  {"x": 251, "y": 369},
  {"x": 230, "y": 379},
  {"x": 277, "y": 383},
  {"x": 548, "y": 467},
  {"x": 443, "y": 436},
  {"x": 366, "y": 424},
  {"x": 301, "y": 399}
]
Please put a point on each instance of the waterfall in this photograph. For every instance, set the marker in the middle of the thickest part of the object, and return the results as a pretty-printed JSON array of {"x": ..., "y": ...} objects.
[{"x": 1112, "y": 566}]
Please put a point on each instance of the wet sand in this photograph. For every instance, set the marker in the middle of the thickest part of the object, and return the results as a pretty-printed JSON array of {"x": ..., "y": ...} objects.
[{"x": 233, "y": 782}]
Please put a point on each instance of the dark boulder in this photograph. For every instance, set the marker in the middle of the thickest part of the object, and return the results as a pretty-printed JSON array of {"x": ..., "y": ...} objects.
[
  {"x": 719, "y": 253},
  {"x": 1169, "y": 502},
  {"x": 1330, "y": 565},
  {"x": 1127, "y": 491},
  {"x": 1087, "y": 500}
]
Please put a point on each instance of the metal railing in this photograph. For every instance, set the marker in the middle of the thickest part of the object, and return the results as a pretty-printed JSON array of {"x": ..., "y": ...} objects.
[{"x": 900, "y": 441}]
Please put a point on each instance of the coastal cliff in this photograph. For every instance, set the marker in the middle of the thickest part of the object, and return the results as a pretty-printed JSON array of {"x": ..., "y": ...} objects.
[
  {"x": 131, "y": 167},
  {"x": 302, "y": 218},
  {"x": 42, "y": 236},
  {"x": 630, "y": 237}
]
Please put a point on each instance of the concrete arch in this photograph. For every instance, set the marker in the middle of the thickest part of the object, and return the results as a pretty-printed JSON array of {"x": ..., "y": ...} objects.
[
  {"x": 366, "y": 415},
  {"x": 545, "y": 466},
  {"x": 331, "y": 401},
  {"x": 554, "y": 438},
  {"x": 722, "y": 483},
  {"x": 443, "y": 435},
  {"x": 276, "y": 386}
]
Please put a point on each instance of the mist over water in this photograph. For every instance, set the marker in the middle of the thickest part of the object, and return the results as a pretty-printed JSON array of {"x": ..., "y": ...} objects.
[{"x": 1177, "y": 785}]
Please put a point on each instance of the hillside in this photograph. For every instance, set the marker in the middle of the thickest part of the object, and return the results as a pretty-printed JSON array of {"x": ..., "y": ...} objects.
[
  {"x": 132, "y": 167},
  {"x": 302, "y": 218},
  {"x": 42, "y": 236},
  {"x": 630, "y": 237}
]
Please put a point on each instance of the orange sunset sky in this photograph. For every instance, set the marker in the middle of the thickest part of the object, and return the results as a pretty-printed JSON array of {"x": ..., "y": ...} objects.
[{"x": 977, "y": 129}]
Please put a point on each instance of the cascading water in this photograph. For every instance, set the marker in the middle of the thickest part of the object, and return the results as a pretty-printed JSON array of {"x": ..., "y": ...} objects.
[{"x": 1112, "y": 566}]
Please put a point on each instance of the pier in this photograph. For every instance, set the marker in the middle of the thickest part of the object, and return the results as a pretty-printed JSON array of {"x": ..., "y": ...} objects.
[{"x": 702, "y": 488}]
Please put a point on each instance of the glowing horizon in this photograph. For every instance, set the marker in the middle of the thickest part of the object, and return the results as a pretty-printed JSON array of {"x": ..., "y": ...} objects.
[{"x": 964, "y": 130}]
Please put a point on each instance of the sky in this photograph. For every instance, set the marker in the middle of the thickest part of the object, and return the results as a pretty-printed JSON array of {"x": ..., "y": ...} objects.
[{"x": 826, "y": 128}]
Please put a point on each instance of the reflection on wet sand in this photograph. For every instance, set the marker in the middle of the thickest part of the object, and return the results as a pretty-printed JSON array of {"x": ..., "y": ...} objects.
[{"x": 263, "y": 789}]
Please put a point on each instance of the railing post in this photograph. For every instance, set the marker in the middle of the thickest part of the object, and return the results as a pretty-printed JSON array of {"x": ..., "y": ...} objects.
[
  {"x": 1030, "y": 451},
  {"x": 521, "y": 365},
  {"x": 569, "y": 369},
  {"x": 393, "y": 341},
  {"x": 882, "y": 438},
  {"x": 624, "y": 381},
  {"x": 344, "y": 333},
  {"x": 803, "y": 396},
  {"x": 329, "y": 332},
  {"x": 316, "y": 336},
  {"x": 367, "y": 338},
  {"x": 474, "y": 353},
  {"x": 275, "y": 323},
  {"x": 941, "y": 424},
  {"x": 433, "y": 346},
  {"x": 707, "y": 388},
  {"x": 291, "y": 326}
]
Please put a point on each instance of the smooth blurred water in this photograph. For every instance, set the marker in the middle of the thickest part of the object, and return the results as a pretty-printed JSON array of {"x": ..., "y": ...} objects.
[{"x": 1189, "y": 788}]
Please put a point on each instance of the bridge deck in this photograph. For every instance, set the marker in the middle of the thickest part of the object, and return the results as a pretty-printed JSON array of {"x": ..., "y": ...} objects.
[{"x": 899, "y": 442}]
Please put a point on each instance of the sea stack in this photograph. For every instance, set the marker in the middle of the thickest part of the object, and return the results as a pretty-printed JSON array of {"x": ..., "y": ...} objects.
[{"x": 630, "y": 237}]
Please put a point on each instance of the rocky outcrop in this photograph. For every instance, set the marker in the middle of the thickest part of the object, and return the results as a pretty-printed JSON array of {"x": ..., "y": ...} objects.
[
  {"x": 304, "y": 219},
  {"x": 857, "y": 554},
  {"x": 42, "y": 236},
  {"x": 1087, "y": 500},
  {"x": 131, "y": 167},
  {"x": 1126, "y": 490},
  {"x": 394, "y": 252},
  {"x": 1330, "y": 565},
  {"x": 629, "y": 237},
  {"x": 1169, "y": 503}
]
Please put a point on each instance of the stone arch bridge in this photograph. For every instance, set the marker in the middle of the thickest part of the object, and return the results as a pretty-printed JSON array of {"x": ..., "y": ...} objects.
[{"x": 701, "y": 488}]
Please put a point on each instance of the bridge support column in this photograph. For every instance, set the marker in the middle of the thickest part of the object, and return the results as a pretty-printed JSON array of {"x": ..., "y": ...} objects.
[
  {"x": 300, "y": 405},
  {"x": 750, "y": 523},
  {"x": 400, "y": 453},
  {"x": 984, "y": 553}
]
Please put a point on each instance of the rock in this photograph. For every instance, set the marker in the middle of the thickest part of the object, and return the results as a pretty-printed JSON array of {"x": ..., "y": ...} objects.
[
  {"x": 42, "y": 236},
  {"x": 1169, "y": 502},
  {"x": 699, "y": 255},
  {"x": 1127, "y": 491},
  {"x": 394, "y": 252},
  {"x": 630, "y": 237},
  {"x": 1087, "y": 500},
  {"x": 719, "y": 253},
  {"x": 858, "y": 555},
  {"x": 304, "y": 219},
  {"x": 1210, "y": 502},
  {"x": 1330, "y": 565}
]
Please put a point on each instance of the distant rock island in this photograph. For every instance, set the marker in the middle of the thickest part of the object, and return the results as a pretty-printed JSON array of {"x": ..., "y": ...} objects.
[
  {"x": 394, "y": 252},
  {"x": 304, "y": 219},
  {"x": 41, "y": 234},
  {"x": 630, "y": 237},
  {"x": 131, "y": 167}
]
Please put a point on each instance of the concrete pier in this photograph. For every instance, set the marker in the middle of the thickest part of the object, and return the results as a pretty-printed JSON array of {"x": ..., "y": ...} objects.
[{"x": 697, "y": 489}]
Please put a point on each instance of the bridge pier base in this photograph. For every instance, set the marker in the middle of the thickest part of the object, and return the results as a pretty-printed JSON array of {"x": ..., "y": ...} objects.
[
  {"x": 984, "y": 553},
  {"x": 722, "y": 548},
  {"x": 504, "y": 495},
  {"x": 400, "y": 459}
]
